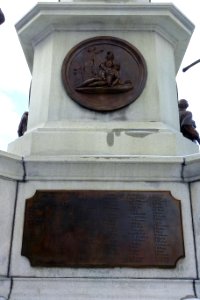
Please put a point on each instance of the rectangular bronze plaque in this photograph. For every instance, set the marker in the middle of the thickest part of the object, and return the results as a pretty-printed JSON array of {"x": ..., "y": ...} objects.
[{"x": 103, "y": 229}]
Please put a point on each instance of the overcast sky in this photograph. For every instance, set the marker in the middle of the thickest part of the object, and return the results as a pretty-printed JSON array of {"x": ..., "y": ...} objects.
[{"x": 15, "y": 76}]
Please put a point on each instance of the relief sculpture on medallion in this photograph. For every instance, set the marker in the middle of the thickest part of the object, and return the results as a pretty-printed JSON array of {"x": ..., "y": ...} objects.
[
  {"x": 103, "y": 77},
  {"x": 104, "y": 73}
]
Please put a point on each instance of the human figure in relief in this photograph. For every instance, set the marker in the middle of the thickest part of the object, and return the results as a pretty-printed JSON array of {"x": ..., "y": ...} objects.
[
  {"x": 109, "y": 71},
  {"x": 107, "y": 78}
]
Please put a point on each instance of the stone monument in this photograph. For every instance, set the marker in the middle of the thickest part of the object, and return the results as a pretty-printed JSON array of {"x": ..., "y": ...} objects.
[
  {"x": 152, "y": 119},
  {"x": 100, "y": 191}
]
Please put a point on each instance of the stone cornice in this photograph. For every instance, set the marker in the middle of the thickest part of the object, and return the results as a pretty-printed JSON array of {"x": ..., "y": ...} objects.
[
  {"x": 101, "y": 168},
  {"x": 45, "y": 18}
]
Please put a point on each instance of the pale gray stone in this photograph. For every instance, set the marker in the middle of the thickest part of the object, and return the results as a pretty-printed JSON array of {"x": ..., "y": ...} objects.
[
  {"x": 11, "y": 166},
  {"x": 104, "y": 289},
  {"x": 5, "y": 286},
  {"x": 102, "y": 168},
  {"x": 149, "y": 126},
  {"x": 7, "y": 202},
  {"x": 192, "y": 167},
  {"x": 195, "y": 194}
]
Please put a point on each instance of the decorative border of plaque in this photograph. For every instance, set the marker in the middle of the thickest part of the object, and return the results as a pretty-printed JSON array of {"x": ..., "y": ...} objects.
[
  {"x": 87, "y": 228},
  {"x": 104, "y": 73}
]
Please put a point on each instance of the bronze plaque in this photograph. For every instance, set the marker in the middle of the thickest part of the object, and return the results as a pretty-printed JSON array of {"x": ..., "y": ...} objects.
[
  {"x": 104, "y": 73},
  {"x": 102, "y": 229}
]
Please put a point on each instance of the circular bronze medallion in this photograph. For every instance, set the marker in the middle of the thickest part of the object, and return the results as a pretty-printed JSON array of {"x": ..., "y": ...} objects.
[{"x": 104, "y": 73}]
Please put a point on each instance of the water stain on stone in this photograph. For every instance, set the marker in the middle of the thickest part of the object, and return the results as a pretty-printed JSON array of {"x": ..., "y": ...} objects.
[
  {"x": 111, "y": 136},
  {"x": 140, "y": 133},
  {"x": 137, "y": 133},
  {"x": 110, "y": 139}
]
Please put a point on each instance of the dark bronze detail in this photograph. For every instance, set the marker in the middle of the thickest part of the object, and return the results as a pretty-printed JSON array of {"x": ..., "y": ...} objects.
[
  {"x": 2, "y": 17},
  {"x": 103, "y": 229},
  {"x": 22, "y": 128},
  {"x": 191, "y": 65},
  {"x": 104, "y": 73},
  {"x": 187, "y": 124}
]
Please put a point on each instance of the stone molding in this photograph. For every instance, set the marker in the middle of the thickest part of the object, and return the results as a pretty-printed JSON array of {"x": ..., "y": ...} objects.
[
  {"x": 101, "y": 167},
  {"x": 46, "y": 18}
]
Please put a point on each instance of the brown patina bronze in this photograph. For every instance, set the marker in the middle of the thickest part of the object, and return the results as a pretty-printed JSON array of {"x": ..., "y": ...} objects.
[
  {"x": 104, "y": 73},
  {"x": 187, "y": 124},
  {"x": 102, "y": 229}
]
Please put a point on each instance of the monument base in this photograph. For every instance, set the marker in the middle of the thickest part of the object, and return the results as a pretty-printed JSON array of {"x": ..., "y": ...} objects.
[
  {"x": 20, "y": 179},
  {"x": 101, "y": 139},
  {"x": 102, "y": 288}
]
